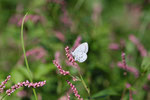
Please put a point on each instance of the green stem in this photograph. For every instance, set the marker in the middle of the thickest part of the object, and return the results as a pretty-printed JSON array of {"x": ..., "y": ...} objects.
[
  {"x": 85, "y": 86},
  {"x": 123, "y": 93},
  {"x": 3, "y": 96},
  {"x": 26, "y": 61}
]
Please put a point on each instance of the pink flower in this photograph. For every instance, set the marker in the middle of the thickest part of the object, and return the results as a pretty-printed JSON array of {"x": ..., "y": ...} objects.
[
  {"x": 74, "y": 78},
  {"x": 2, "y": 86},
  {"x": 128, "y": 85},
  {"x": 68, "y": 97},
  {"x": 97, "y": 8},
  {"x": 57, "y": 56},
  {"x": 15, "y": 18},
  {"x": 123, "y": 59},
  {"x": 37, "y": 53},
  {"x": 73, "y": 88},
  {"x": 65, "y": 19},
  {"x": 146, "y": 87},
  {"x": 114, "y": 46},
  {"x": 60, "y": 36},
  {"x": 61, "y": 71},
  {"x": 22, "y": 93},
  {"x": 128, "y": 68},
  {"x": 148, "y": 77},
  {"x": 76, "y": 43},
  {"x": 26, "y": 84},
  {"x": 33, "y": 18},
  {"x": 69, "y": 55},
  {"x": 75, "y": 65},
  {"x": 130, "y": 95},
  {"x": 139, "y": 46}
]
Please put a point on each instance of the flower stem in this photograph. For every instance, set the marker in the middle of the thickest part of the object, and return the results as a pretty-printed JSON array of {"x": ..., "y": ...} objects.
[
  {"x": 84, "y": 84},
  {"x": 123, "y": 93},
  {"x": 26, "y": 61},
  {"x": 3, "y": 96}
]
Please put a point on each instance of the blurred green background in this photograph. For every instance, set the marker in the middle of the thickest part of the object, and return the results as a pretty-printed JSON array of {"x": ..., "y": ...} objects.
[{"x": 54, "y": 24}]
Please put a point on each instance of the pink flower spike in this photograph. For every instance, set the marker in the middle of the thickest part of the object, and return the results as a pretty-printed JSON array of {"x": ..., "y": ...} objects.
[
  {"x": 38, "y": 53},
  {"x": 139, "y": 46},
  {"x": 68, "y": 97},
  {"x": 97, "y": 9},
  {"x": 73, "y": 88},
  {"x": 128, "y": 85},
  {"x": 2, "y": 86},
  {"x": 130, "y": 95},
  {"x": 22, "y": 93},
  {"x": 123, "y": 59},
  {"x": 26, "y": 84},
  {"x": 57, "y": 56},
  {"x": 130, "y": 69},
  {"x": 114, "y": 46},
  {"x": 60, "y": 36},
  {"x": 69, "y": 55},
  {"x": 76, "y": 43},
  {"x": 74, "y": 78},
  {"x": 148, "y": 77},
  {"x": 146, "y": 87},
  {"x": 33, "y": 18},
  {"x": 61, "y": 71}
]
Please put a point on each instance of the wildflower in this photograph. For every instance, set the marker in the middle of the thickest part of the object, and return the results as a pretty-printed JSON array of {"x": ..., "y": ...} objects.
[
  {"x": 68, "y": 97},
  {"x": 33, "y": 18},
  {"x": 130, "y": 95},
  {"x": 76, "y": 43},
  {"x": 146, "y": 87},
  {"x": 74, "y": 78},
  {"x": 74, "y": 90},
  {"x": 38, "y": 54},
  {"x": 69, "y": 55},
  {"x": 2, "y": 86},
  {"x": 75, "y": 65},
  {"x": 114, "y": 46},
  {"x": 128, "y": 85},
  {"x": 22, "y": 94},
  {"x": 123, "y": 59},
  {"x": 97, "y": 9},
  {"x": 128, "y": 68},
  {"x": 57, "y": 56},
  {"x": 65, "y": 19},
  {"x": 26, "y": 84},
  {"x": 139, "y": 46},
  {"x": 61, "y": 71},
  {"x": 148, "y": 76},
  {"x": 60, "y": 36}
]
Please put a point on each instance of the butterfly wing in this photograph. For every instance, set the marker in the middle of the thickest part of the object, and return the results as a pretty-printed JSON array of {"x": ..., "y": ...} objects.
[
  {"x": 80, "y": 56},
  {"x": 80, "y": 52},
  {"x": 82, "y": 48}
]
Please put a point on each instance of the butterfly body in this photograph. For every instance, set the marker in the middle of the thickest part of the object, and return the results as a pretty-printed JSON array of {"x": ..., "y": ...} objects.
[{"x": 80, "y": 53}]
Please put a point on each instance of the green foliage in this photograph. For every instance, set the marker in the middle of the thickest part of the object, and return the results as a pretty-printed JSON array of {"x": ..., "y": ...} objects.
[
  {"x": 146, "y": 64},
  {"x": 115, "y": 20}
]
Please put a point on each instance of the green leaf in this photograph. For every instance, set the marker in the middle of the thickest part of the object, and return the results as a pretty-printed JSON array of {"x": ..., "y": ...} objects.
[
  {"x": 24, "y": 71},
  {"x": 106, "y": 92},
  {"x": 17, "y": 76},
  {"x": 43, "y": 69},
  {"x": 145, "y": 64}
]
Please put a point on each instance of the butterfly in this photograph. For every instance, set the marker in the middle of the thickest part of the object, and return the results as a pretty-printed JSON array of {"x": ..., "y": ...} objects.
[{"x": 80, "y": 53}]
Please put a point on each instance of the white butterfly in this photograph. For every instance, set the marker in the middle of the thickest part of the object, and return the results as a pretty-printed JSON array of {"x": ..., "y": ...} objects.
[{"x": 80, "y": 53}]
